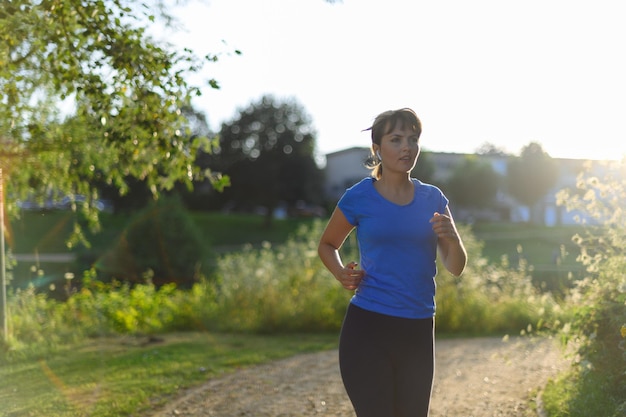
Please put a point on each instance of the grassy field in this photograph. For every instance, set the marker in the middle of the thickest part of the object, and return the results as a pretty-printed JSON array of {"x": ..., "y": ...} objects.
[
  {"x": 47, "y": 232},
  {"x": 123, "y": 376},
  {"x": 549, "y": 251},
  {"x": 38, "y": 233},
  {"x": 540, "y": 245}
]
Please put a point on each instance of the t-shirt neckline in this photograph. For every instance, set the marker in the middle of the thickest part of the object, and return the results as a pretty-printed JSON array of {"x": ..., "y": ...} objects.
[{"x": 389, "y": 201}]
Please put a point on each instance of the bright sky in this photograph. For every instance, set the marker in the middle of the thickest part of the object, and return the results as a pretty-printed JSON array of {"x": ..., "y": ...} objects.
[{"x": 498, "y": 71}]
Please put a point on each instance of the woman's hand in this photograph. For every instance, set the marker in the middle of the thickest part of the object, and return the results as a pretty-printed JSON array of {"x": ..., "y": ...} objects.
[
  {"x": 444, "y": 227},
  {"x": 349, "y": 277},
  {"x": 450, "y": 245},
  {"x": 337, "y": 229}
]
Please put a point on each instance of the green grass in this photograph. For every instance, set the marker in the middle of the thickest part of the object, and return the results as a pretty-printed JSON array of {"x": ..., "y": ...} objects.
[
  {"x": 579, "y": 394},
  {"x": 47, "y": 232},
  {"x": 123, "y": 376},
  {"x": 44, "y": 232},
  {"x": 539, "y": 244},
  {"x": 549, "y": 252},
  {"x": 223, "y": 231}
]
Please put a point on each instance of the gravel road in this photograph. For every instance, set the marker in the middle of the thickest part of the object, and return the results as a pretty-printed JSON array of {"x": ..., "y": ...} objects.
[{"x": 479, "y": 377}]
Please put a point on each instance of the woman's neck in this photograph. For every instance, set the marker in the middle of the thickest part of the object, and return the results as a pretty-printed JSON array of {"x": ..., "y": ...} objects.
[
  {"x": 397, "y": 189},
  {"x": 395, "y": 181}
]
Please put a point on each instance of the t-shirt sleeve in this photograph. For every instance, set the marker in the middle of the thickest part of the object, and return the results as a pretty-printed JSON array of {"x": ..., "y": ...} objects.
[
  {"x": 348, "y": 206},
  {"x": 443, "y": 203},
  {"x": 436, "y": 199}
]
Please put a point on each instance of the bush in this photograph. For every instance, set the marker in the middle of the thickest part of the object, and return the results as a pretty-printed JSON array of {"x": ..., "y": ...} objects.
[
  {"x": 162, "y": 240},
  {"x": 39, "y": 324},
  {"x": 119, "y": 308},
  {"x": 578, "y": 393},
  {"x": 599, "y": 300}
]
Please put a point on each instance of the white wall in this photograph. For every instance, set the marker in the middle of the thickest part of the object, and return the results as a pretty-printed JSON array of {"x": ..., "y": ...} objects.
[{"x": 343, "y": 169}]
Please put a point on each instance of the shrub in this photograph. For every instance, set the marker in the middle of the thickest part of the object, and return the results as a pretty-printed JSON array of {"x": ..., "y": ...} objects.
[
  {"x": 562, "y": 396},
  {"x": 40, "y": 324},
  {"x": 117, "y": 307},
  {"x": 599, "y": 299},
  {"x": 161, "y": 239}
]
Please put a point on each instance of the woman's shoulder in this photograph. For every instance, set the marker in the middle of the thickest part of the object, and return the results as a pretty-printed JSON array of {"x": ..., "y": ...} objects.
[
  {"x": 421, "y": 184},
  {"x": 363, "y": 185},
  {"x": 358, "y": 191},
  {"x": 423, "y": 187},
  {"x": 351, "y": 202}
]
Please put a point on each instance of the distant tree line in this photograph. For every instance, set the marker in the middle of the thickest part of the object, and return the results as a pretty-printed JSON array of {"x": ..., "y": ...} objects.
[
  {"x": 474, "y": 184},
  {"x": 267, "y": 155}
]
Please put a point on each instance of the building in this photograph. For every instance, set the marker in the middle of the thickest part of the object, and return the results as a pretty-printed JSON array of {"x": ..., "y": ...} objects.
[
  {"x": 343, "y": 169},
  {"x": 346, "y": 167}
]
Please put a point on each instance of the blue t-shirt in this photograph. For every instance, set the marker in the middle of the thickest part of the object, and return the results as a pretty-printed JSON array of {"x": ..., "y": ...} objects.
[{"x": 398, "y": 248}]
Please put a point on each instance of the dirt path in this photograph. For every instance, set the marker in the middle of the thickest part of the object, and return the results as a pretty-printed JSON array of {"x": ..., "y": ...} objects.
[{"x": 482, "y": 377}]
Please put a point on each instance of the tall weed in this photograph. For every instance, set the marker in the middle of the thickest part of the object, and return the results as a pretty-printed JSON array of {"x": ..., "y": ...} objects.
[
  {"x": 282, "y": 288},
  {"x": 491, "y": 298},
  {"x": 599, "y": 300},
  {"x": 36, "y": 324},
  {"x": 275, "y": 288}
]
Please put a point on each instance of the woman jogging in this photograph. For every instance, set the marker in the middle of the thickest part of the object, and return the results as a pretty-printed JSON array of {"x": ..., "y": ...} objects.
[{"x": 386, "y": 347}]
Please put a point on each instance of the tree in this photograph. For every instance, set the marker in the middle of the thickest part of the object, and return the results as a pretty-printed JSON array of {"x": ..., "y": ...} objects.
[
  {"x": 531, "y": 175},
  {"x": 473, "y": 184},
  {"x": 202, "y": 196},
  {"x": 139, "y": 194},
  {"x": 268, "y": 154},
  {"x": 490, "y": 149},
  {"x": 87, "y": 97}
]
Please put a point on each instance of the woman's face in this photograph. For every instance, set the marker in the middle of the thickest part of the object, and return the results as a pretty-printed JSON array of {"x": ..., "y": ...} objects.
[{"x": 399, "y": 149}]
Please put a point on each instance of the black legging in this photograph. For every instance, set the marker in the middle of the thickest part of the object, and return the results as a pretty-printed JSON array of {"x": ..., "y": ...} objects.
[{"x": 387, "y": 363}]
